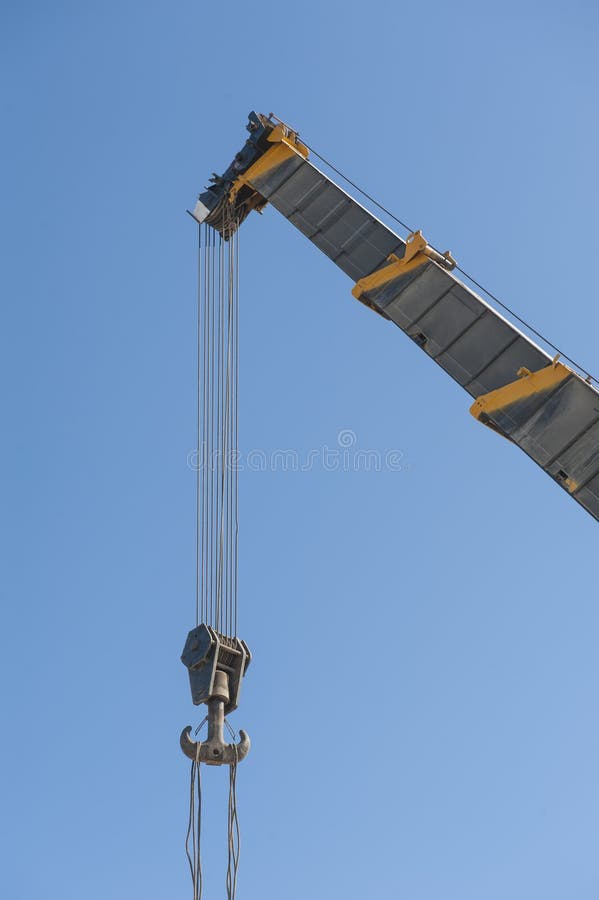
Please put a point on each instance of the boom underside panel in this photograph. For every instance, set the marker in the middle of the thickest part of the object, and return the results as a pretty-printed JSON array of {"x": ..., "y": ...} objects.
[
  {"x": 347, "y": 233},
  {"x": 469, "y": 339}
]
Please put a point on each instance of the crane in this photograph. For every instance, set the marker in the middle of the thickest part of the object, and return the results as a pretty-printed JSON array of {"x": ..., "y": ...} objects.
[{"x": 535, "y": 400}]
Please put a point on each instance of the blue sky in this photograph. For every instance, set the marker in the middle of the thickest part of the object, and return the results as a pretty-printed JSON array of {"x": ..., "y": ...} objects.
[{"x": 423, "y": 696}]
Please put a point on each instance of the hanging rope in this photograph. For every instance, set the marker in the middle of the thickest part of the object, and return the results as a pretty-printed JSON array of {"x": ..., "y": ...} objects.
[
  {"x": 194, "y": 829},
  {"x": 233, "y": 835},
  {"x": 193, "y": 838},
  {"x": 217, "y": 487}
]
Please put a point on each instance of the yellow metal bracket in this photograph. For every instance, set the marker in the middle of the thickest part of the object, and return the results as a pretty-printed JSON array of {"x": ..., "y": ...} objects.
[
  {"x": 286, "y": 144},
  {"x": 284, "y": 134},
  {"x": 528, "y": 384},
  {"x": 417, "y": 254}
]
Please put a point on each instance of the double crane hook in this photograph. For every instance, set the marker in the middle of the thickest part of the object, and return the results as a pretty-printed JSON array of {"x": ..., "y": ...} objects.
[{"x": 214, "y": 751}]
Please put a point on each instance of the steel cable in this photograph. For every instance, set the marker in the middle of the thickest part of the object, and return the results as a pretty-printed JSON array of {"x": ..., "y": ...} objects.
[
  {"x": 233, "y": 834},
  {"x": 217, "y": 415},
  {"x": 200, "y": 480},
  {"x": 194, "y": 827}
]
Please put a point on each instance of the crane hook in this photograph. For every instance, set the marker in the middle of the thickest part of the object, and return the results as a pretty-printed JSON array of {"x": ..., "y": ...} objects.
[{"x": 214, "y": 751}]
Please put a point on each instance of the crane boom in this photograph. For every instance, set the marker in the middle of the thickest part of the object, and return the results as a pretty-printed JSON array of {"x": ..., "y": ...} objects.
[{"x": 537, "y": 402}]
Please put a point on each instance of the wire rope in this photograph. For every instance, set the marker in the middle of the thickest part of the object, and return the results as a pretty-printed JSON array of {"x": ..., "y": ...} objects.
[
  {"x": 233, "y": 834},
  {"x": 217, "y": 427},
  {"x": 194, "y": 828}
]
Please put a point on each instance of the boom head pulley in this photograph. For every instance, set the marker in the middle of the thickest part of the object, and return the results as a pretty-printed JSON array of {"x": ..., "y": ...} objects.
[{"x": 230, "y": 197}]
